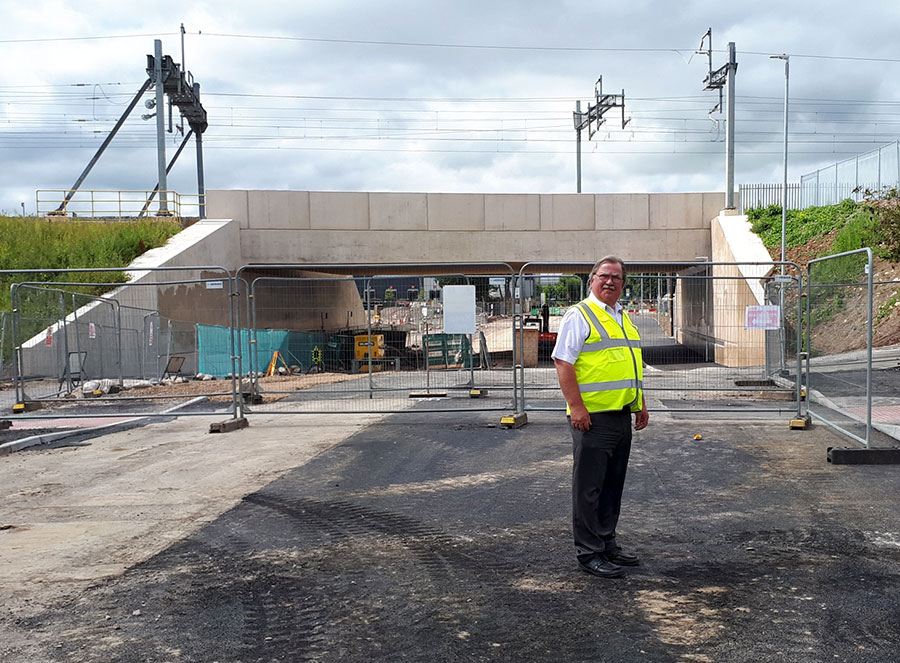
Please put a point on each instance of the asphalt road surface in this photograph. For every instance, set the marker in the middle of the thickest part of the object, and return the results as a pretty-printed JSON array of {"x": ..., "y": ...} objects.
[{"x": 442, "y": 537}]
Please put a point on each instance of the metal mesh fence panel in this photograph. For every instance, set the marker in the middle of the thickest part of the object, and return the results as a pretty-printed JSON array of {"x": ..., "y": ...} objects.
[
  {"x": 332, "y": 343},
  {"x": 839, "y": 342},
  {"x": 6, "y": 353},
  {"x": 715, "y": 336},
  {"x": 52, "y": 355},
  {"x": 7, "y": 372},
  {"x": 851, "y": 178},
  {"x": 885, "y": 356},
  {"x": 133, "y": 350}
]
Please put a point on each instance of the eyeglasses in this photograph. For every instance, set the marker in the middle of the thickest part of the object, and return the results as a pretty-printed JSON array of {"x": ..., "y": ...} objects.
[{"x": 609, "y": 277}]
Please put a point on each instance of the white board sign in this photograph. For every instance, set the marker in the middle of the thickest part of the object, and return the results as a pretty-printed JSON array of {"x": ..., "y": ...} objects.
[{"x": 459, "y": 309}]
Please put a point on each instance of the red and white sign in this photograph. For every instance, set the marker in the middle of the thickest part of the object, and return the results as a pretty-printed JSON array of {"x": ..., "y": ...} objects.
[
  {"x": 49, "y": 339},
  {"x": 762, "y": 317},
  {"x": 92, "y": 330}
]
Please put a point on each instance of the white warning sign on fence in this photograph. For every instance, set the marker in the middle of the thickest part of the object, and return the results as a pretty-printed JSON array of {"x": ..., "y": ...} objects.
[
  {"x": 459, "y": 309},
  {"x": 762, "y": 317},
  {"x": 92, "y": 330}
]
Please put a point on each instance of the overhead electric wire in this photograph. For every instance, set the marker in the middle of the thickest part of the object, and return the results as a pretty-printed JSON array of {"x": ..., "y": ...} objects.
[{"x": 443, "y": 45}]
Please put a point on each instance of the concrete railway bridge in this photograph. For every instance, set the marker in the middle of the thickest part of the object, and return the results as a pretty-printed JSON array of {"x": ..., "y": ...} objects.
[{"x": 299, "y": 256}]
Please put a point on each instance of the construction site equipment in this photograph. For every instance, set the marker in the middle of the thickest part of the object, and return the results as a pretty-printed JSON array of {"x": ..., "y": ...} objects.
[
  {"x": 369, "y": 354},
  {"x": 367, "y": 346},
  {"x": 448, "y": 351},
  {"x": 273, "y": 364},
  {"x": 530, "y": 337}
]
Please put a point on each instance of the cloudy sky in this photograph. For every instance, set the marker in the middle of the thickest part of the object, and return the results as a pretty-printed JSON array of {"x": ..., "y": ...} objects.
[{"x": 462, "y": 96}]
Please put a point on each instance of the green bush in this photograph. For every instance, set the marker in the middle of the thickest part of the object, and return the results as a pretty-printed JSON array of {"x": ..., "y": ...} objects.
[
  {"x": 859, "y": 231},
  {"x": 885, "y": 208}
]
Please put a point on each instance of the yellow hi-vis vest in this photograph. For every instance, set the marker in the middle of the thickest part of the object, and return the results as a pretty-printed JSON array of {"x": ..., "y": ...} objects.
[{"x": 610, "y": 367}]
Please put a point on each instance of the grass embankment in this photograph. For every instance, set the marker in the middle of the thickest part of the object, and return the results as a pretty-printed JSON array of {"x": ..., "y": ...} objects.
[
  {"x": 849, "y": 226},
  {"x": 824, "y": 231},
  {"x": 32, "y": 243}
]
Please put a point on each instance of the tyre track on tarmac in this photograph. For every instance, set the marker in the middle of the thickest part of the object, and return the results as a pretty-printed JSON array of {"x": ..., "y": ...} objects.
[{"x": 413, "y": 543}]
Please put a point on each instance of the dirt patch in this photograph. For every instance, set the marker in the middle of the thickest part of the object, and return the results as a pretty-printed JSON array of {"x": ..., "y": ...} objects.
[
  {"x": 814, "y": 248},
  {"x": 274, "y": 383},
  {"x": 846, "y": 331}
]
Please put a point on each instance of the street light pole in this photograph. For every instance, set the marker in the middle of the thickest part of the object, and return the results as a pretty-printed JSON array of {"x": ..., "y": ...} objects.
[{"x": 784, "y": 190}]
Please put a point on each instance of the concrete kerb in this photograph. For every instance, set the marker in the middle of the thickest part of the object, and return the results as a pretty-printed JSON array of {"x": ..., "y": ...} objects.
[{"x": 92, "y": 431}]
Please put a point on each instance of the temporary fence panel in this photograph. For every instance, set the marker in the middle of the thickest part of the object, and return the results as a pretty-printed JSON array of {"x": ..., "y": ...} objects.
[
  {"x": 839, "y": 344},
  {"x": 885, "y": 360},
  {"x": 363, "y": 343},
  {"x": 67, "y": 337},
  {"x": 714, "y": 336},
  {"x": 5, "y": 347},
  {"x": 130, "y": 351}
]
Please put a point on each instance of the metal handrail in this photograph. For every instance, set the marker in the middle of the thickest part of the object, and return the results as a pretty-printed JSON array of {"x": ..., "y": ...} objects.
[{"x": 117, "y": 204}]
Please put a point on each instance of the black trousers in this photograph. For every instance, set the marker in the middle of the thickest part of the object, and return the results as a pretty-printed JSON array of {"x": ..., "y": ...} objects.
[{"x": 600, "y": 458}]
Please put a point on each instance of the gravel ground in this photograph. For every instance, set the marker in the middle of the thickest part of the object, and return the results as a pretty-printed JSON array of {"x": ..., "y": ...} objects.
[{"x": 441, "y": 537}]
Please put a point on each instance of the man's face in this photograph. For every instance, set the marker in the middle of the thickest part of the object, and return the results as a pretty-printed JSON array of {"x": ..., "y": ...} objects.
[{"x": 607, "y": 284}]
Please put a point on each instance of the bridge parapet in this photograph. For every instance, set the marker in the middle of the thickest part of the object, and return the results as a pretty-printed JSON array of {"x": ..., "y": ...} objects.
[{"x": 354, "y": 227}]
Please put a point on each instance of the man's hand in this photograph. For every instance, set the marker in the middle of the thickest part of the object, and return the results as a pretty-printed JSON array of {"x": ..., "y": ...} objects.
[
  {"x": 568, "y": 384},
  {"x": 581, "y": 418},
  {"x": 641, "y": 419}
]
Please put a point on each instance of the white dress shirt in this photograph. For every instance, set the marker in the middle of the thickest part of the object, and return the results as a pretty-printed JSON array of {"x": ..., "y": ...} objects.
[{"x": 574, "y": 330}]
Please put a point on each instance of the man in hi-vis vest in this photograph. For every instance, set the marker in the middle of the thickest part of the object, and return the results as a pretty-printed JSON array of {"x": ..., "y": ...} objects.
[{"x": 600, "y": 368}]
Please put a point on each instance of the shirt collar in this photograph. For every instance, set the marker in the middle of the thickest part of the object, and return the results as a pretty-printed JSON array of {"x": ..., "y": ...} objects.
[{"x": 613, "y": 310}]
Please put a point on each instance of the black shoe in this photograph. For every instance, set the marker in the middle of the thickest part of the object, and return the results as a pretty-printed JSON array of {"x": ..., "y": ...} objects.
[
  {"x": 622, "y": 558},
  {"x": 599, "y": 566}
]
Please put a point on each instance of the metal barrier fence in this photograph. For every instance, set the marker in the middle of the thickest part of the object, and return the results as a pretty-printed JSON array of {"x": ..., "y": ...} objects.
[
  {"x": 6, "y": 364},
  {"x": 839, "y": 342},
  {"x": 715, "y": 336},
  {"x": 351, "y": 341},
  {"x": 85, "y": 355},
  {"x": 849, "y": 178},
  {"x": 373, "y": 338},
  {"x": 762, "y": 195}
]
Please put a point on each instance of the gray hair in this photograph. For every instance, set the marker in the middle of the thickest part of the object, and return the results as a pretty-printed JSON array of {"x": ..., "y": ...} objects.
[{"x": 605, "y": 260}]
